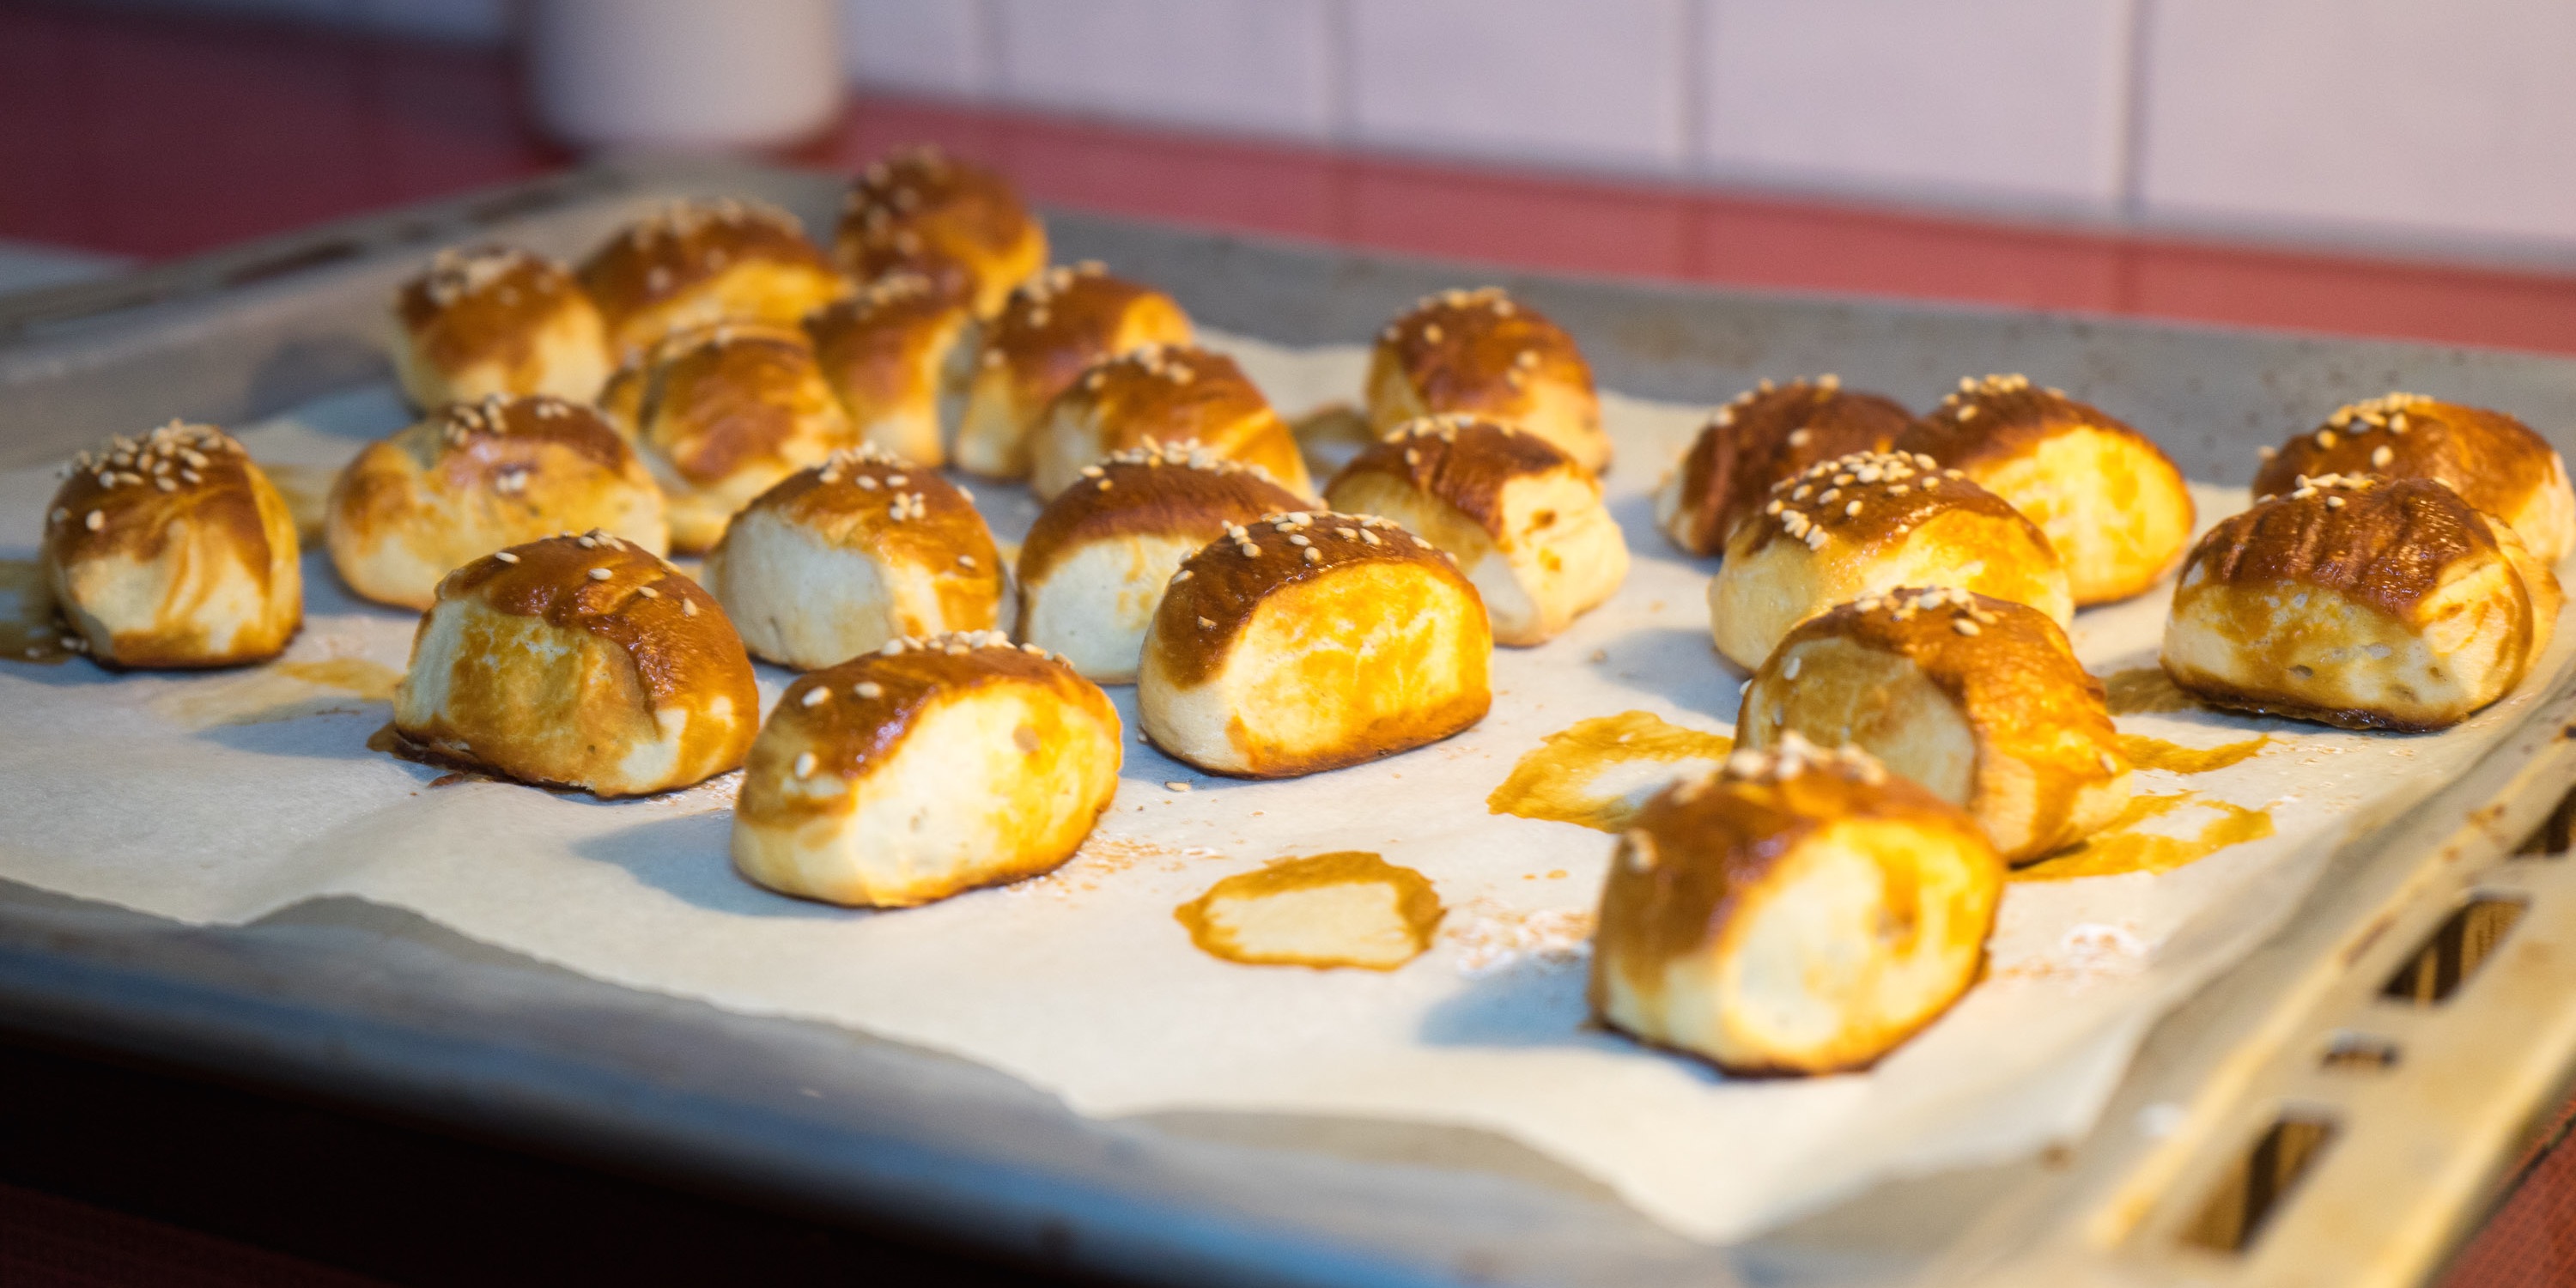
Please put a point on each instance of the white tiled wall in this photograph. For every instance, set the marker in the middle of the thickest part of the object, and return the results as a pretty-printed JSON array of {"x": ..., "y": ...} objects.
[{"x": 1600, "y": 82}]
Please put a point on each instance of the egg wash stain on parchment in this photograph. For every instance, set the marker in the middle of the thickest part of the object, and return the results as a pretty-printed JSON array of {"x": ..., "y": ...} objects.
[
  {"x": 1347, "y": 908},
  {"x": 2122, "y": 847},
  {"x": 2174, "y": 758},
  {"x": 2146, "y": 690},
  {"x": 30, "y": 631},
  {"x": 1598, "y": 772},
  {"x": 281, "y": 691}
]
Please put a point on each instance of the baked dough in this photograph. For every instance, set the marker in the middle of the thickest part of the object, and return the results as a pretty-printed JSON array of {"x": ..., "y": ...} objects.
[
  {"x": 893, "y": 352},
  {"x": 2495, "y": 462},
  {"x": 2109, "y": 499},
  {"x": 173, "y": 550},
  {"x": 1052, "y": 330},
  {"x": 1095, "y": 563},
  {"x": 721, "y": 415},
  {"x": 1163, "y": 394},
  {"x": 1309, "y": 641},
  {"x": 1522, "y": 519},
  {"x": 1873, "y": 521},
  {"x": 842, "y": 557},
  {"x": 693, "y": 264},
  {"x": 1486, "y": 353},
  {"x": 1764, "y": 435},
  {"x": 497, "y": 320},
  {"x": 1980, "y": 701},
  {"x": 472, "y": 478},
  {"x": 1796, "y": 912},
  {"x": 2360, "y": 603},
  {"x": 925, "y": 768},
  {"x": 921, "y": 211}
]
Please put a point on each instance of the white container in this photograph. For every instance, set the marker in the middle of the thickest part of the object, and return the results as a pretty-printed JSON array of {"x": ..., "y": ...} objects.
[{"x": 691, "y": 75}]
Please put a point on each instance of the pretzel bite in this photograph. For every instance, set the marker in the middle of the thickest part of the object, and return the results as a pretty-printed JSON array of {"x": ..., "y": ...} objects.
[
  {"x": 1095, "y": 563},
  {"x": 1765, "y": 435},
  {"x": 2363, "y": 603},
  {"x": 578, "y": 662},
  {"x": 923, "y": 768},
  {"x": 1163, "y": 394},
  {"x": 1310, "y": 641},
  {"x": 699, "y": 263},
  {"x": 840, "y": 558},
  {"x": 1979, "y": 700},
  {"x": 1053, "y": 328},
  {"x": 496, "y": 320},
  {"x": 722, "y": 415},
  {"x": 1873, "y": 521},
  {"x": 921, "y": 211},
  {"x": 1485, "y": 353},
  {"x": 1522, "y": 519},
  {"x": 2109, "y": 499},
  {"x": 472, "y": 478},
  {"x": 2495, "y": 462},
  {"x": 888, "y": 352},
  {"x": 1796, "y": 912},
  {"x": 173, "y": 550}
]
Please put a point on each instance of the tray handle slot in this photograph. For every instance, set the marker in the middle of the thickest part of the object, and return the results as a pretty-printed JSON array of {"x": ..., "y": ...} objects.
[
  {"x": 2556, "y": 833},
  {"x": 2454, "y": 951},
  {"x": 2251, "y": 1190},
  {"x": 2359, "y": 1053}
]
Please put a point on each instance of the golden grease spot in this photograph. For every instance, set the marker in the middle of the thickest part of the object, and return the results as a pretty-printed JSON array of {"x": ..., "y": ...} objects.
[
  {"x": 1347, "y": 908},
  {"x": 2174, "y": 758},
  {"x": 306, "y": 489},
  {"x": 30, "y": 631},
  {"x": 2146, "y": 689},
  {"x": 1561, "y": 781},
  {"x": 280, "y": 691},
  {"x": 2121, "y": 848}
]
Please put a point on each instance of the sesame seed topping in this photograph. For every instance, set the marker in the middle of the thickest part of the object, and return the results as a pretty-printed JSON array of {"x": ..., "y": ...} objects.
[
  {"x": 816, "y": 696},
  {"x": 505, "y": 556},
  {"x": 97, "y": 519},
  {"x": 805, "y": 764},
  {"x": 648, "y": 592},
  {"x": 1963, "y": 626},
  {"x": 600, "y": 574},
  {"x": 2381, "y": 456},
  {"x": 869, "y": 689},
  {"x": 688, "y": 608}
]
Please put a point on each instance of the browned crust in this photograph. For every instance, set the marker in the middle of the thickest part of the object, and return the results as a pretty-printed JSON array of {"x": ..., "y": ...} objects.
[
  {"x": 907, "y": 514},
  {"x": 2218, "y": 693},
  {"x": 686, "y": 244},
  {"x": 725, "y": 397},
  {"x": 1218, "y": 589},
  {"x": 1152, "y": 493},
  {"x": 853, "y": 728},
  {"x": 1481, "y": 351},
  {"x": 1171, "y": 393},
  {"x": 484, "y": 303},
  {"x": 1463, "y": 460},
  {"x": 872, "y": 346},
  {"x": 1896, "y": 494},
  {"x": 1058, "y": 324},
  {"x": 923, "y": 211},
  {"x": 479, "y": 439},
  {"x": 1768, "y": 434},
  {"x": 2493, "y": 460},
  {"x": 2383, "y": 545},
  {"x": 684, "y": 648},
  {"x": 2001, "y": 418}
]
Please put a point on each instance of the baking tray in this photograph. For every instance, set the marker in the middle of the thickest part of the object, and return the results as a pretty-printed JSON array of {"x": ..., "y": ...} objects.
[{"x": 2335, "y": 1110}]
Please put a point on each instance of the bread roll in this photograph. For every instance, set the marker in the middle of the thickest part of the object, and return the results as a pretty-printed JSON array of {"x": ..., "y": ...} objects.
[
  {"x": 924, "y": 768},
  {"x": 2110, "y": 500},
  {"x": 173, "y": 550},
  {"x": 1522, "y": 519},
  {"x": 721, "y": 415},
  {"x": 892, "y": 352},
  {"x": 2360, "y": 603},
  {"x": 695, "y": 264},
  {"x": 844, "y": 556},
  {"x": 1765, "y": 435},
  {"x": 496, "y": 320},
  {"x": 1051, "y": 331},
  {"x": 1797, "y": 912},
  {"x": 578, "y": 662},
  {"x": 921, "y": 211},
  {"x": 1978, "y": 700},
  {"x": 1163, "y": 394},
  {"x": 1094, "y": 566},
  {"x": 1484, "y": 353},
  {"x": 472, "y": 478},
  {"x": 2495, "y": 462},
  {"x": 1310, "y": 641},
  {"x": 1871, "y": 522}
]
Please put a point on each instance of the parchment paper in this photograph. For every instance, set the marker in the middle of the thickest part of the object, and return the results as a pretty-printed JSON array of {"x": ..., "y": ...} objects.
[{"x": 221, "y": 798}]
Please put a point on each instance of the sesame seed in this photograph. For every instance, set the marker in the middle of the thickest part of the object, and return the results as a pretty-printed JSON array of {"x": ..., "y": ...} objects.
[
  {"x": 2380, "y": 458},
  {"x": 1178, "y": 787},
  {"x": 2109, "y": 765},
  {"x": 688, "y": 608},
  {"x": 1851, "y": 509},
  {"x": 805, "y": 765},
  {"x": 97, "y": 519},
  {"x": 2334, "y": 503},
  {"x": 648, "y": 592},
  {"x": 1206, "y": 625},
  {"x": 600, "y": 574},
  {"x": 816, "y": 696},
  {"x": 2325, "y": 438},
  {"x": 870, "y": 689},
  {"x": 1314, "y": 556},
  {"x": 505, "y": 556},
  {"x": 1963, "y": 626}
]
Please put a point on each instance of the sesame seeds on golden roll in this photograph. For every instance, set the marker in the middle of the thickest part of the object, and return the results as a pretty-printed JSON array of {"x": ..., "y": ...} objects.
[
  {"x": 1484, "y": 353},
  {"x": 1163, "y": 393},
  {"x": 582, "y": 662},
  {"x": 721, "y": 415},
  {"x": 923, "y": 768},
  {"x": 1523, "y": 520},
  {"x": 1308, "y": 641},
  {"x": 1978, "y": 700},
  {"x": 472, "y": 478},
  {"x": 2363, "y": 603},
  {"x": 2494, "y": 461},
  {"x": 1093, "y": 569},
  {"x": 2110, "y": 500},
  {"x": 173, "y": 550},
  {"x": 922, "y": 211},
  {"x": 1762, "y": 436},
  {"x": 1051, "y": 331},
  {"x": 497, "y": 320},
  {"x": 1871, "y": 522},
  {"x": 892, "y": 352},
  {"x": 699, "y": 263},
  {"x": 1798, "y": 911},
  {"x": 844, "y": 556}
]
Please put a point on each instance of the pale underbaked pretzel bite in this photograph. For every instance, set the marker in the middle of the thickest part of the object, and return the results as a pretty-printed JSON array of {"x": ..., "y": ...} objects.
[
  {"x": 1762, "y": 436},
  {"x": 1978, "y": 700},
  {"x": 693, "y": 264},
  {"x": 924, "y": 768},
  {"x": 922, "y": 211},
  {"x": 1051, "y": 331},
  {"x": 2109, "y": 499},
  {"x": 497, "y": 320},
  {"x": 1523, "y": 520},
  {"x": 2495, "y": 462},
  {"x": 173, "y": 550},
  {"x": 1873, "y": 521},
  {"x": 472, "y": 478},
  {"x": 721, "y": 415},
  {"x": 1094, "y": 566},
  {"x": 578, "y": 662},
  {"x": 1796, "y": 912},
  {"x": 1483, "y": 352},
  {"x": 841, "y": 557},
  {"x": 1309, "y": 641},
  {"x": 2360, "y": 603},
  {"x": 893, "y": 352},
  {"x": 1163, "y": 393}
]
